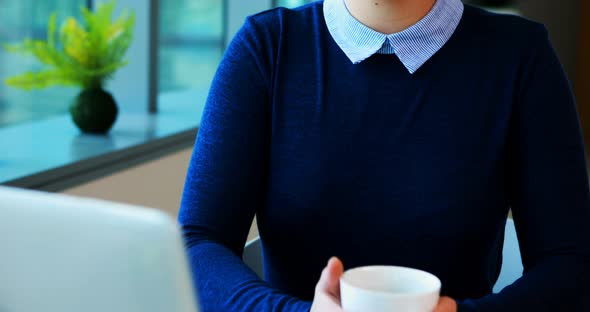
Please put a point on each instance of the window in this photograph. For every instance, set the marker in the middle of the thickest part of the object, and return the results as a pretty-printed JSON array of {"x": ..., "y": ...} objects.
[
  {"x": 189, "y": 38},
  {"x": 291, "y": 3},
  {"x": 28, "y": 18},
  {"x": 191, "y": 43},
  {"x": 192, "y": 37},
  {"x": 190, "y": 47}
]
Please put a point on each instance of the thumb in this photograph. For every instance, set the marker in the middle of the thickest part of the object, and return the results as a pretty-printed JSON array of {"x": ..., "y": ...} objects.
[
  {"x": 330, "y": 280},
  {"x": 446, "y": 304}
]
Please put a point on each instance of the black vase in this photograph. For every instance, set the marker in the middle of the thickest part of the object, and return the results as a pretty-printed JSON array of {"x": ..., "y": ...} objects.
[{"x": 94, "y": 111}]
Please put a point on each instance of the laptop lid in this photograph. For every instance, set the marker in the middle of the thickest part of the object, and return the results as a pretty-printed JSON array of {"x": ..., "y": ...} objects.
[{"x": 66, "y": 254}]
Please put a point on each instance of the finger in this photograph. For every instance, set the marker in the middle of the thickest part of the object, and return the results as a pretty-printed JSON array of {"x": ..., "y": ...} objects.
[
  {"x": 336, "y": 269},
  {"x": 330, "y": 280},
  {"x": 446, "y": 304},
  {"x": 323, "y": 302}
]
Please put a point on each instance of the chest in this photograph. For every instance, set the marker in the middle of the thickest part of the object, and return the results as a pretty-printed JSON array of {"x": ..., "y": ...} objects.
[
  {"x": 377, "y": 112},
  {"x": 373, "y": 135}
]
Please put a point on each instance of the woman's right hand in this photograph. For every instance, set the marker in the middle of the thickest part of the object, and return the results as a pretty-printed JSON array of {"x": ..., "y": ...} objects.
[{"x": 327, "y": 291}]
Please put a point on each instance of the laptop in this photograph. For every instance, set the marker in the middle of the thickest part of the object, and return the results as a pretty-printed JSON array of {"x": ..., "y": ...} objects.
[{"x": 65, "y": 254}]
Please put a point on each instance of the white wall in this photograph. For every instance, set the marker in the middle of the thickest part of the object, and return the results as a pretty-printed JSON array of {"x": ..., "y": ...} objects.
[{"x": 157, "y": 184}]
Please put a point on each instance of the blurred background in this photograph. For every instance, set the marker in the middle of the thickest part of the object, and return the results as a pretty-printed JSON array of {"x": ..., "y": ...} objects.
[{"x": 190, "y": 40}]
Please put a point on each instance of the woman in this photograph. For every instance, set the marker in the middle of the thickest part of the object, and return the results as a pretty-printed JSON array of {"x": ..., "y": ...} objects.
[{"x": 404, "y": 149}]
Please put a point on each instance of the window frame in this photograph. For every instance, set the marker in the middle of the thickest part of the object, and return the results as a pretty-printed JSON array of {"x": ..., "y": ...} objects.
[{"x": 161, "y": 131}]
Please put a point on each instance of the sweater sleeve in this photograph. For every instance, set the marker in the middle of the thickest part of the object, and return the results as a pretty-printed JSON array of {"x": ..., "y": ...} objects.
[
  {"x": 548, "y": 192},
  {"x": 225, "y": 182}
]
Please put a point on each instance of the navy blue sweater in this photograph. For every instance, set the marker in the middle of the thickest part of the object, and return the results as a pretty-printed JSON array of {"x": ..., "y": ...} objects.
[{"x": 377, "y": 166}]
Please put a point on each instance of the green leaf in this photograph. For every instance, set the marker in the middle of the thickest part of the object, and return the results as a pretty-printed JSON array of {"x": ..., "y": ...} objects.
[
  {"x": 83, "y": 53},
  {"x": 43, "y": 53},
  {"x": 16, "y": 48},
  {"x": 51, "y": 30},
  {"x": 38, "y": 80},
  {"x": 88, "y": 18}
]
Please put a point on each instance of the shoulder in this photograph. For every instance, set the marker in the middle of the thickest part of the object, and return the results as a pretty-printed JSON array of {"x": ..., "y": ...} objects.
[
  {"x": 504, "y": 30},
  {"x": 279, "y": 15},
  {"x": 261, "y": 35},
  {"x": 276, "y": 22},
  {"x": 265, "y": 32}
]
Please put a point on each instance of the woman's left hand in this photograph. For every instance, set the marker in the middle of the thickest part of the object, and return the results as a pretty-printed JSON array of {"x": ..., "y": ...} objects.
[
  {"x": 327, "y": 292},
  {"x": 446, "y": 304}
]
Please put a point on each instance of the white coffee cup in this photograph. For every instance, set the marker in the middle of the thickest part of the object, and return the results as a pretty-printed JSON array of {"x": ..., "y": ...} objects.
[{"x": 388, "y": 289}]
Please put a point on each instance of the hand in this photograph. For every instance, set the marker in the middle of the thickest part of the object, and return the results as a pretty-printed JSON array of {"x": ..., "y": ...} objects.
[
  {"x": 327, "y": 291},
  {"x": 446, "y": 304}
]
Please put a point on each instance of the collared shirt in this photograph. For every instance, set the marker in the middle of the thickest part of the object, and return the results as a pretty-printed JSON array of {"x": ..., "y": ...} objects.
[{"x": 413, "y": 46}]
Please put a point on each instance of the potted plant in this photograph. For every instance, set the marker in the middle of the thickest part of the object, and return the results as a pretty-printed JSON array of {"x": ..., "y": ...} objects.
[{"x": 81, "y": 54}]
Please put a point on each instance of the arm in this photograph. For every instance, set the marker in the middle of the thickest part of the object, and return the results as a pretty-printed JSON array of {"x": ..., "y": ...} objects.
[
  {"x": 549, "y": 194},
  {"x": 226, "y": 183}
]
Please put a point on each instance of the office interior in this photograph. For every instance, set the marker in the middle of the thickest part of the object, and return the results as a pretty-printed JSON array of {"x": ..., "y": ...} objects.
[{"x": 176, "y": 48}]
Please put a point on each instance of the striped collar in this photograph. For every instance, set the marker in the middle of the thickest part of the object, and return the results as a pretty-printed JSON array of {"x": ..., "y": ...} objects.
[{"x": 413, "y": 46}]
